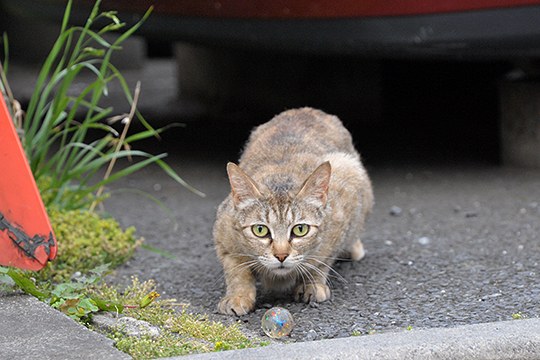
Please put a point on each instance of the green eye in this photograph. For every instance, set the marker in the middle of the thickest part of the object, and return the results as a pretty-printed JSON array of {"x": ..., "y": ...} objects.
[
  {"x": 260, "y": 230},
  {"x": 300, "y": 230}
]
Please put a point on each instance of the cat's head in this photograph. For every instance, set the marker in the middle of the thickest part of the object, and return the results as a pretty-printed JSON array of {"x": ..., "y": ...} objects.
[{"x": 279, "y": 226}]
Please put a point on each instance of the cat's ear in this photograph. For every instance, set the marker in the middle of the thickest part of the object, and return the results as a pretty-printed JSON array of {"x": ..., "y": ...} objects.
[
  {"x": 315, "y": 188},
  {"x": 244, "y": 190}
]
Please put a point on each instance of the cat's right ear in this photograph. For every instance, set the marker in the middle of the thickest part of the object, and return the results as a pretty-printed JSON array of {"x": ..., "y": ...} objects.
[{"x": 243, "y": 188}]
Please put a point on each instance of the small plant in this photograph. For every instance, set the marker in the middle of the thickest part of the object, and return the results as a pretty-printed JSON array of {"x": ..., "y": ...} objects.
[
  {"x": 518, "y": 316},
  {"x": 181, "y": 332},
  {"x": 70, "y": 297},
  {"x": 55, "y": 126}
]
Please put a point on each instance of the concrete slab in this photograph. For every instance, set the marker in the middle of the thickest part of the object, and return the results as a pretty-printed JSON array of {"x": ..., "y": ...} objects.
[
  {"x": 519, "y": 339},
  {"x": 30, "y": 329}
]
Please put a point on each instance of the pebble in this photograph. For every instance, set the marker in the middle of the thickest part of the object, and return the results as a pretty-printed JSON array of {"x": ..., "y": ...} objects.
[
  {"x": 424, "y": 240},
  {"x": 311, "y": 335},
  {"x": 126, "y": 325},
  {"x": 395, "y": 211}
]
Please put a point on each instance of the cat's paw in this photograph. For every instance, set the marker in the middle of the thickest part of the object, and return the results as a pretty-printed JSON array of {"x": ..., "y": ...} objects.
[
  {"x": 312, "y": 293},
  {"x": 357, "y": 251},
  {"x": 236, "y": 305}
]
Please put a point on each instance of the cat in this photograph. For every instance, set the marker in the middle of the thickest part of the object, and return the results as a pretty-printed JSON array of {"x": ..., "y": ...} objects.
[{"x": 299, "y": 198}]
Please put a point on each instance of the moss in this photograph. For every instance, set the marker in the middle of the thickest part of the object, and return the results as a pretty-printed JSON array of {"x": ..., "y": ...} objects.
[
  {"x": 165, "y": 345},
  {"x": 518, "y": 316},
  {"x": 181, "y": 332},
  {"x": 86, "y": 241}
]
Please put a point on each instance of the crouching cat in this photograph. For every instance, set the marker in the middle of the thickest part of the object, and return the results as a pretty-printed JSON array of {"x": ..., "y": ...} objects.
[{"x": 298, "y": 201}]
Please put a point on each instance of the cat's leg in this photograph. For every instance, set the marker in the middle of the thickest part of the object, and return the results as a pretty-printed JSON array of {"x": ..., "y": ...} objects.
[
  {"x": 357, "y": 250},
  {"x": 241, "y": 290},
  {"x": 314, "y": 286}
]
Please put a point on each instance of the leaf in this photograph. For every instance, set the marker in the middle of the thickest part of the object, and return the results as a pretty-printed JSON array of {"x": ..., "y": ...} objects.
[
  {"x": 26, "y": 284},
  {"x": 78, "y": 308},
  {"x": 148, "y": 299},
  {"x": 6, "y": 280},
  {"x": 106, "y": 305},
  {"x": 101, "y": 270},
  {"x": 71, "y": 290}
]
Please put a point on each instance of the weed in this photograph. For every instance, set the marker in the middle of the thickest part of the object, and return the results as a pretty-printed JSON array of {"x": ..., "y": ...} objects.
[
  {"x": 53, "y": 132},
  {"x": 181, "y": 331},
  {"x": 518, "y": 316},
  {"x": 69, "y": 297}
]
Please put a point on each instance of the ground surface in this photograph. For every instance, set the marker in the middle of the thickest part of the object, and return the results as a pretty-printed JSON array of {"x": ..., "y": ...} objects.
[
  {"x": 445, "y": 246},
  {"x": 452, "y": 240}
]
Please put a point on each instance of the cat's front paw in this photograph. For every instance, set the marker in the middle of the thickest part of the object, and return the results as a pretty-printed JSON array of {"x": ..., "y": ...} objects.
[
  {"x": 312, "y": 292},
  {"x": 236, "y": 305}
]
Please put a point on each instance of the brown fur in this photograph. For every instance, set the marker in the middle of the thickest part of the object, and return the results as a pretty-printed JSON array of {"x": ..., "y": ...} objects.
[{"x": 299, "y": 168}]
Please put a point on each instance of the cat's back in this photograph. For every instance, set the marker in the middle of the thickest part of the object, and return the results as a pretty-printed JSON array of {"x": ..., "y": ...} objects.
[{"x": 297, "y": 131}]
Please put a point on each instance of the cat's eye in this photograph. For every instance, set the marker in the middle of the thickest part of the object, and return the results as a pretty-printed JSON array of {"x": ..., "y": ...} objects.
[
  {"x": 260, "y": 230},
  {"x": 300, "y": 230}
]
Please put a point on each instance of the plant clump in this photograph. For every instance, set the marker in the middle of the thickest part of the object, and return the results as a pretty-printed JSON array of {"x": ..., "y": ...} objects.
[
  {"x": 87, "y": 241},
  {"x": 181, "y": 331}
]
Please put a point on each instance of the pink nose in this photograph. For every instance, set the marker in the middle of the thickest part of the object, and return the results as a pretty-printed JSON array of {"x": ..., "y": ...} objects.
[{"x": 281, "y": 257}]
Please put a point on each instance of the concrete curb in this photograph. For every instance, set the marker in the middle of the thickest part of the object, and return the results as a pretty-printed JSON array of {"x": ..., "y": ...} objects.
[
  {"x": 30, "y": 329},
  {"x": 518, "y": 339}
]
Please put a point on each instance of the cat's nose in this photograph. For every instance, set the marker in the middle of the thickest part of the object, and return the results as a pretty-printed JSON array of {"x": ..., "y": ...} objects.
[{"x": 281, "y": 257}]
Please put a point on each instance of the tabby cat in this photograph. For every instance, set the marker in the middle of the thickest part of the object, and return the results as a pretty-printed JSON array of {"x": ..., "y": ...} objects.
[{"x": 298, "y": 201}]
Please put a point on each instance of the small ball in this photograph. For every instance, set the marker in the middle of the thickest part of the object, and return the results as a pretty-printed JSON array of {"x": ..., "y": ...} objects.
[{"x": 277, "y": 322}]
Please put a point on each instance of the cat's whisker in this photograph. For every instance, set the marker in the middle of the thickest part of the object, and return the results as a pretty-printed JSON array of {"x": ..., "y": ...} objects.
[
  {"x": 320, "y": 272},
  {"x": 330, "y": 258},
  {"x": 299, "y": 271},
  {"x": 330, "y": 269},
  {"x": 317, "y": 271},
  {"x": 250, "y": 263},
  {"x": 308, "y": 274},
  {"x": 251, "y": 256}
]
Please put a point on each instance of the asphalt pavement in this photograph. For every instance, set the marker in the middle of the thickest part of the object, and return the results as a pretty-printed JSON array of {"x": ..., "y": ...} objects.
[
  {"x": 452, "y": 262},
  {"x": 446, "y": 246},
  {"x": 452, "y": 257}
]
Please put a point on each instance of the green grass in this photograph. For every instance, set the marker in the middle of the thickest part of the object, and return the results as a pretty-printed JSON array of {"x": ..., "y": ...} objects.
[{"x": 56, "y": 125}]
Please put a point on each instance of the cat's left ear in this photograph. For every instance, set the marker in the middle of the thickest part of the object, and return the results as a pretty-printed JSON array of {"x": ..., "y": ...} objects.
[
  {"x": 315, "y": 188},
  {"x": 243, "y": 188}
]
